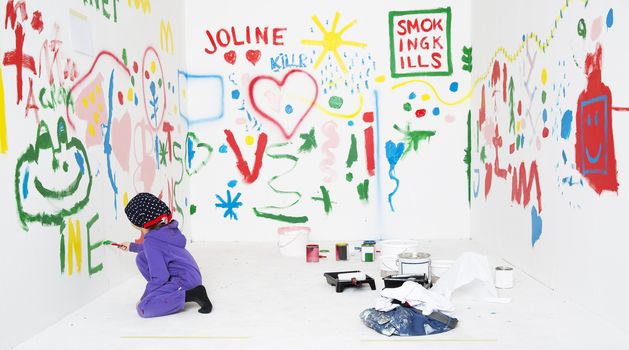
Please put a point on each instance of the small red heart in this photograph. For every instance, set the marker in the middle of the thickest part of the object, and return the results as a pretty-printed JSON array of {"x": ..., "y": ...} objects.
[
  {"x": 253, "y": 56},
  {"x": 230, "y": 56}
]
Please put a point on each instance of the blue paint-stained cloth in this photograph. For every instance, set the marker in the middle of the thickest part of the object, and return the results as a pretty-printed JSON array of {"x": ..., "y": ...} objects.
[
  {"x": 404, "y": 321},
  {"x": 169, "y": 269}
]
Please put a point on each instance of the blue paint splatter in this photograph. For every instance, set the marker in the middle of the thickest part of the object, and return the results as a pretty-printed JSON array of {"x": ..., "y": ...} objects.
[
  {"x": 544, "y": 115},
  {"x": 135, "y": 100},
  {"x": 25, "y": 183},
  {"x": 536, "y": 226},
  {"x": 235, "y": 94},
  {"x": 107, "y": 149},
  {"x": 565, "y": 158},
  {"x": 79, "y": 161},
  {"x": 222, "y": 149},
  {"x": 566, "y": 124},
  {"x": 394, "y": 153},
  {"x": 436, "y": 111},
  {"x": 610, "y": 18},
  {"x": 229, "y": 205},
  {"x": 157, "y": 151},
  {"x": 454, "y": 86},
  {"x": 191, "y": 152},
  {"x": 288, "y": 109},
  {"x": 412, "y": 96},
  {"x": 350, "y": 123},
  {"x": 232, "y": 183}
]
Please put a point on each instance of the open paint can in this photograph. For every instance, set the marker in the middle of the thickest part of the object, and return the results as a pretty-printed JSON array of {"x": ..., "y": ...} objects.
[
  {"x": 341, "y": 251},
  {"x": 504, "y": 277},
  {"x": 416, "y": 263},
  {"x": 312, "y": 253}
]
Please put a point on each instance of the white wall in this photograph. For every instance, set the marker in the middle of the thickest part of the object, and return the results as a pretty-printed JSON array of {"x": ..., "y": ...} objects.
[
  {"x": 37, "y": 289},
  {"x": 431, "y": 201},
  {"x": 581, "y": 250}
]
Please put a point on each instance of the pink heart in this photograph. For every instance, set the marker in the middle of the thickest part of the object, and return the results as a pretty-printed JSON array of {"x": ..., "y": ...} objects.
[
  {"x": 253, "y": 56},
  {"x": 281, "y": 83},
  {"x": 121, "y": 140}
]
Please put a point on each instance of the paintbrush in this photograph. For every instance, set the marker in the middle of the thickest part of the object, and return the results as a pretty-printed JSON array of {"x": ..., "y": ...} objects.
[{"x": 108, "y": 242}]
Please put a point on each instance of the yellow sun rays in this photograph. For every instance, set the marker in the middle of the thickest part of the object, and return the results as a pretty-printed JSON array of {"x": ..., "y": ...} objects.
[{"x": 332, "y": 40}]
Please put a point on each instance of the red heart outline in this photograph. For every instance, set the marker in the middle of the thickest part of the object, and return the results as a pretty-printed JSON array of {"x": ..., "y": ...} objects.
[{"x": 280, "y": 84}]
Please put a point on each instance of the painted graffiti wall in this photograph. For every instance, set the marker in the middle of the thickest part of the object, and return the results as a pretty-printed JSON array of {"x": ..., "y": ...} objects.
[
  {"x": 550, "y": 123},
  {"x": 88, "y": 117},
  {"x": 346, "y": 120}
]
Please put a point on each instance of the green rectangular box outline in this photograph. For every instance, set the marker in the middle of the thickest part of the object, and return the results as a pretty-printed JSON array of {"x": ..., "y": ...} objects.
[{"x": 392, "y": 14}]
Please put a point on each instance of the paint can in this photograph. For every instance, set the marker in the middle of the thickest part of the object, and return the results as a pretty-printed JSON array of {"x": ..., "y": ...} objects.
[
  {"x": 341, "y": 251},
  {"x": 292, "y": 240},
  {"x": 389, "y": 251},
  {"x": 312, "y": 253},
  {"x": 504, "y": 277},
  {"x": 368, "y": 251},
  {"x": 414, "y": 264}
]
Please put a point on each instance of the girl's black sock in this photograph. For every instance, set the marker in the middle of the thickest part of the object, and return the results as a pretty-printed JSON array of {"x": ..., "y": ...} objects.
[{"x": 198, "y": 295}]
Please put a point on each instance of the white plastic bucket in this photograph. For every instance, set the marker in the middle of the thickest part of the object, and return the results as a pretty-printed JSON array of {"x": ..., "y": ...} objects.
[
  {"x": 292, "y": 240},
  {"x": 389, "y": 251}
]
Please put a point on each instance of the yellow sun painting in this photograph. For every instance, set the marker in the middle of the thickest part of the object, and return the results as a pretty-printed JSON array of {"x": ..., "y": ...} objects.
[{"x": 332, "y": 40}]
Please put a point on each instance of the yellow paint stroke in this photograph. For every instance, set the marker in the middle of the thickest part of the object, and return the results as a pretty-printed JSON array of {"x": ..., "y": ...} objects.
[
  {"x": 96, "y": 117},
  {"x": 74, "y": 246},
  {"x": 166, "y": 41},
  {"x": 85, "y": 103},
  {"x": 381, "y": 78},
  {"x": 90, "y": 129},
  {"x": 153, "y": 67},
  {"x": 145, "y": 4},
  {"x": 91, "y": 97},
  {"x": 332, "y": 40},
  {"x": 125, "y": 198},
  {"x": 249, "y": 140},
  {"x": 542, "y": 45},
  {"x": 100, "y": 107},
  {"x": 322, "y": 108},
  {"x": 544, "y": 76},
  {"x": 425, "y": 97},
  {"x": 4, "y": 144},
  {"x": 130, "y": 94}
]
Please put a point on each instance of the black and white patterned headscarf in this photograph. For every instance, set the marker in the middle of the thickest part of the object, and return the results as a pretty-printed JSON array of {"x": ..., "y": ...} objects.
[{"x": 146, "y": 210}]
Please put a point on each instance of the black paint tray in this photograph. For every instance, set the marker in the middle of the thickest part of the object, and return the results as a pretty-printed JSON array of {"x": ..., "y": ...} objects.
[{"x": 333, "y": 279}]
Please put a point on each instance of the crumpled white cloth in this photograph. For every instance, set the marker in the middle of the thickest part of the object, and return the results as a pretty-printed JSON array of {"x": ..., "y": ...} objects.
[{"x": 469, "y": 267}]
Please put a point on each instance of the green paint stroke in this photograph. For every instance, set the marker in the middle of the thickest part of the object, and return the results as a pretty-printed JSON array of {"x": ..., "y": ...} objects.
[
  {"x": 325, "y": 198},
  {"x": 310, "y": 142},
  {"x": 414, "y": 137},
  {"x": 511, "y": 106},
  {"x": 282, "y": 218},
  {"x": 468, "y": 158},
  {"x": 467, "y": 59},
  {"x": 483, "y": 155},
  {"x": 61, "y": 202},
  {"x": 335, "y": 102},
  {"x": 177, "y": 147},
  {"x": 91, "y": 247},
  {"x": 352, "y": 155},
  {"x": 363, "y": 190},
  {"x": 163, "y": 152},
  {"x": 193, "y": 209},
  {"x": 124, "y": 56},
  {"x": 191, "y": 153},
  {"x": 62, "y": 248},
  {"x": 581, "y": 28},
  {"x": 349, "y": 177}
]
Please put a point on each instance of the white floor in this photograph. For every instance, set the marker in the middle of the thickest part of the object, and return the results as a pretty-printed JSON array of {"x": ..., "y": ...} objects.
[{"x": 265, "y": 301}]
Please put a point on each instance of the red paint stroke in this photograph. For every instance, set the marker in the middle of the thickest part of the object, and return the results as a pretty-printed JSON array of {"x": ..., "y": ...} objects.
[
  {"x": 18, "y": 59},
  {"x": 89, "y": 72},
  {"x": 168, "y": 129},
  {"x": 504, "y": 82},
  {"x": 495, "y": 74},
  {"x": 368, "y": 117},
  {"x": 11, "y": 12},
  {"x": 135, "y": 67},
  {"x": 369, "y": 151},
  {"x": 520, "y": 187},
  {"x": 420, "y": 113},
  {"x": 482, "y": 114},
  {"x": 280, "y": 84},
  {"x": 249, "y": 176},
  {"x": 161, "y": 69},
  {"x": 230, "y": 56},
  {"x": 497, "y": 142},
  {"x": 545, "y": 132},
  {"x": 31, "y": 103},
  {"x": 253, "y": 56},
  {"x": 36, "y": 22},
  {"x": 511, "y": 148},
  {"x": 120, "y": 98},
  {"x": 520, "y": 107},
  {"x": 488, "y": 176},
  {"x": 621, "y": 109},
  {"x": 595, "y": 155}
]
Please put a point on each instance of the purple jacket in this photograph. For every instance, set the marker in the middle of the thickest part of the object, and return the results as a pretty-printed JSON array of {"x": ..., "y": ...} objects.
[{"x": 167, "y": 259}]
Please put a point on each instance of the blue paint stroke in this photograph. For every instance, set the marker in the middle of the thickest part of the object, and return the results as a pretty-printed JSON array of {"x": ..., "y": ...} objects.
[
  {"x": 564, "y": 157},
  {"x": 25, "y": 183},
  {"x": 454, "y": 86},
  {"x": 222, "y": 149},
  {"x": 229, "y": 205},
  {"x": 394, "y": 153},
  {"x": 153, "y": 102},
  {"x": 191, "y": 152},
  {"x": 536, "y": 226},
  {"x": 436, "y": 111},
  {"x": 610, "y": 18},
  {"x": 182, "y": 79},
  {"x": 477, "y": 187},
  {"x": 288, "y": 109},
  {"x": 80, "y": 161},
  {"x": 566, "y": 124},
  {"x": 412, "y": 96},
  {"x": 235, "y": 94},
  {"x": 232, "y": 183},
  {"x": 157, "y": 151},
  {"x": 107, "y": 143}
]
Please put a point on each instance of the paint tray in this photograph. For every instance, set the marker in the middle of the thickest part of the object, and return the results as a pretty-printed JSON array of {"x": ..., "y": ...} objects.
[
  {"x": 333, "y": 279},
  {"x": 397, "y": 280}
]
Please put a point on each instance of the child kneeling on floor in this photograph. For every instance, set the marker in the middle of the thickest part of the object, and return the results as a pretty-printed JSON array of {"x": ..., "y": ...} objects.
[{"x": 172, "y": 274}]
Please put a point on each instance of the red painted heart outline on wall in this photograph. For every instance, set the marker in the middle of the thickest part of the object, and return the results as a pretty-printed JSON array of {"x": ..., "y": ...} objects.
[{"x": 281, "y": 83}]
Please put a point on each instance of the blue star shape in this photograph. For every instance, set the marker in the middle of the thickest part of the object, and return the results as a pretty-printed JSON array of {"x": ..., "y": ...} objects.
[{"x": 229, "y": 205}]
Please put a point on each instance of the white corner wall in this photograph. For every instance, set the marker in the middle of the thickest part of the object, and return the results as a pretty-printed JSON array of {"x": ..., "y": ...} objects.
[
  {"x": 64, "y": 191},
  {"x": 574, "y": 237},
  {"x": 226, "y": 58}
]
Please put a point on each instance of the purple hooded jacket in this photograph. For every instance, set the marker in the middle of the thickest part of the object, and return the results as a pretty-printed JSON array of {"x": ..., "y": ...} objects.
[{"x": 168, "y": 268}]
